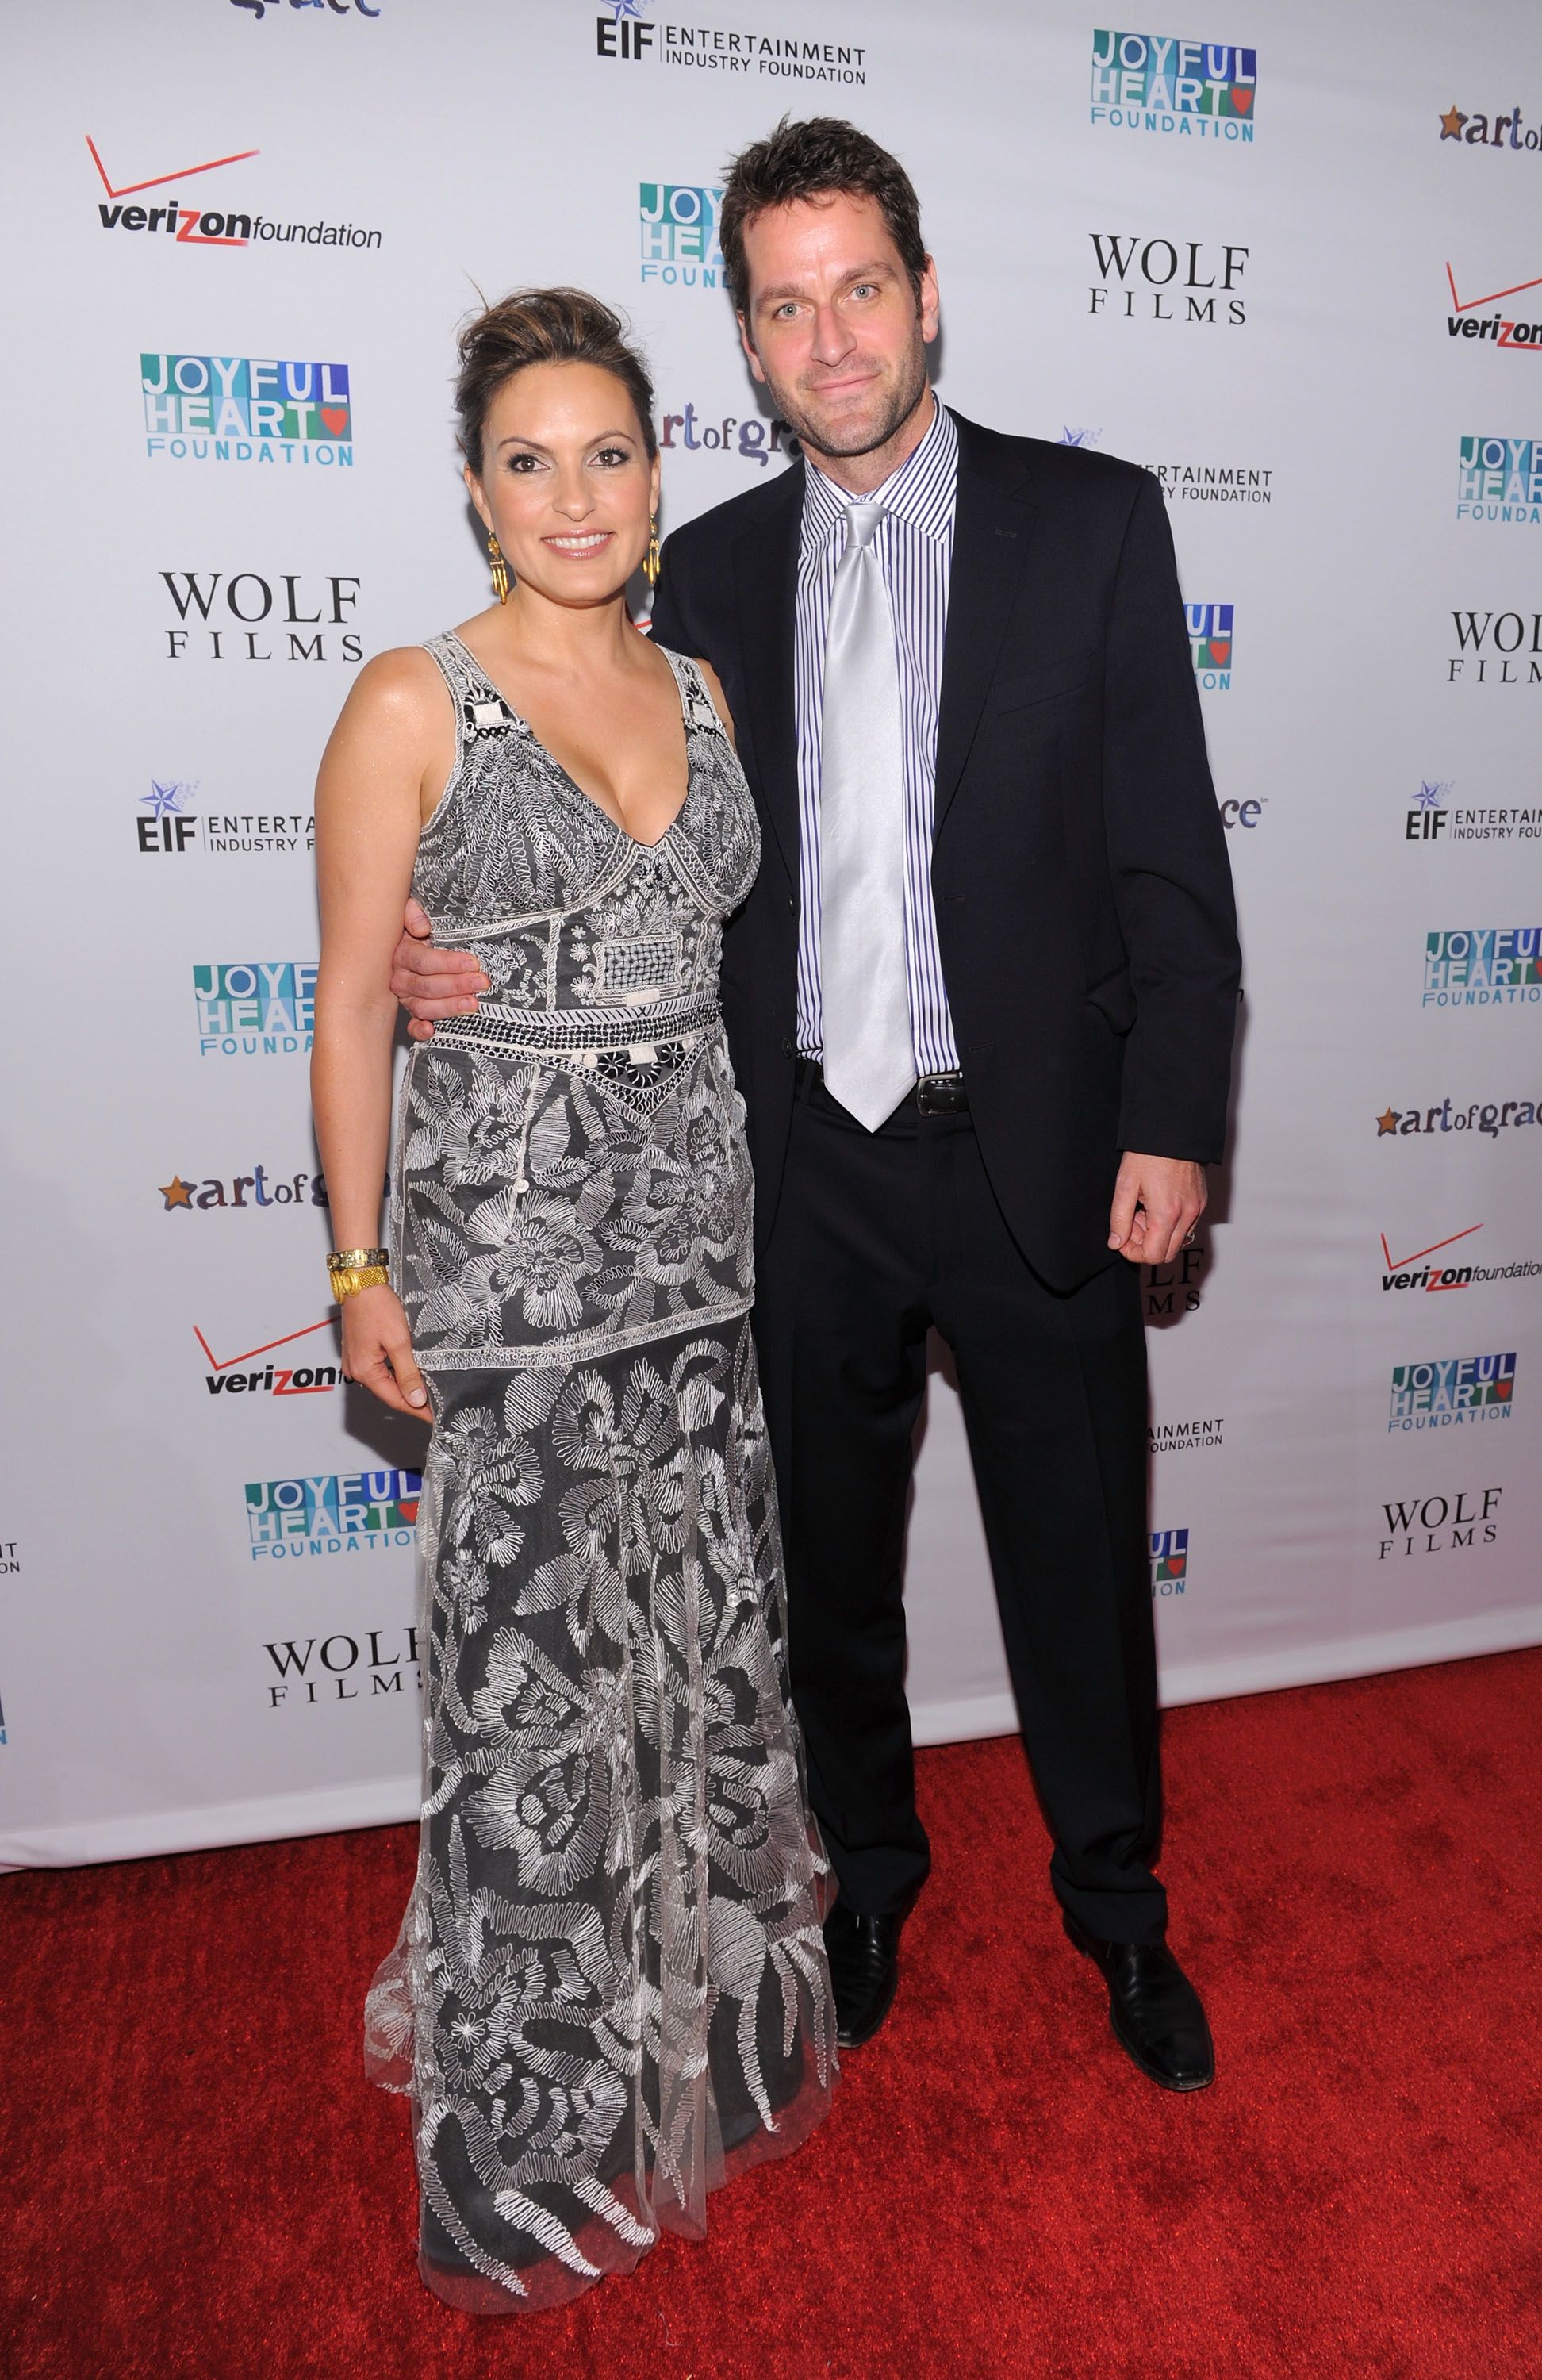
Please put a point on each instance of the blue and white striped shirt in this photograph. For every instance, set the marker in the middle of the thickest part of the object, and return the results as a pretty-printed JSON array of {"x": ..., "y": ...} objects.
[{"x": 913, "y": 547}]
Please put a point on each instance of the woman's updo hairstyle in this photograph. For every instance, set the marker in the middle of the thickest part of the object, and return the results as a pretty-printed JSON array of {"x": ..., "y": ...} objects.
[{"x": 545, "y": 326}]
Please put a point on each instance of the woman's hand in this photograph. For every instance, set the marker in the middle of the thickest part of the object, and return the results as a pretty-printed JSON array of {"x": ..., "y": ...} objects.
[{"x": 377, "y": 1350}]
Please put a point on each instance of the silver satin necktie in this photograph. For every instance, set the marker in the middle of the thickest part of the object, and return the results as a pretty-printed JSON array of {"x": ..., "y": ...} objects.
[{"x": 870, "y": 1061}]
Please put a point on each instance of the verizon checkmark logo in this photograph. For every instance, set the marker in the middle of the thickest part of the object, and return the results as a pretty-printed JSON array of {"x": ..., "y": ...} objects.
[
  {"x": 230, "y": 1376},
  {"x": 1413, "y": 1272},
  {"x": 191, "y": 227},
  {"x": 1504, "y": 327}
]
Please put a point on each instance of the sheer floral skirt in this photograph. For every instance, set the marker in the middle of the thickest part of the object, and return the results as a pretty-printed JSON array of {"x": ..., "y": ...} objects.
[{"x": 609, "y": 1994}]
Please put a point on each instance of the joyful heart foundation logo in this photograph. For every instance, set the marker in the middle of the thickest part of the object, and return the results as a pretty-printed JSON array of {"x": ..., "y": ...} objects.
[
  {"x": 1156, "y": 82},
  {"x": 246, "y": 409}
]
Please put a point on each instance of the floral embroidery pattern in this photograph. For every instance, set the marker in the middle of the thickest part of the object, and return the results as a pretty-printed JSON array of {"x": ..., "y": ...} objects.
[{"x": 610, "y": 1990}]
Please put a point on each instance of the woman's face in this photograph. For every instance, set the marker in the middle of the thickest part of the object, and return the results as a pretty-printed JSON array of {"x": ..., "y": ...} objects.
[{"x": 566, "y": 484}]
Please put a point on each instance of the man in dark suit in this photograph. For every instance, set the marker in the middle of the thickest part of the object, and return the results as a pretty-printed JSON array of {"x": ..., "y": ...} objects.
[{"x": 980, "y": 1005}]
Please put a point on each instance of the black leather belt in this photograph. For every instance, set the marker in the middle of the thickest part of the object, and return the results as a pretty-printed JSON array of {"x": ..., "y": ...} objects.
[{"x": 934, "y": 1095}]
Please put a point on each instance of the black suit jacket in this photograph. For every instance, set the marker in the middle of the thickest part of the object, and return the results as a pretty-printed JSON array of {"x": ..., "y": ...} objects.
[{"x": 1083, "y": 889}]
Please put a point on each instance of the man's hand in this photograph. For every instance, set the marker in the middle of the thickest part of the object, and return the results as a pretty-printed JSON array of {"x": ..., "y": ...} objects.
[
  {"x": 430, "y": 983},
  {"x": 1156, "y": 1202}
]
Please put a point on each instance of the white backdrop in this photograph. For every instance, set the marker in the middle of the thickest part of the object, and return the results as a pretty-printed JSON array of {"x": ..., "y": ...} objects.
[{"x": 1289, "y": 270}]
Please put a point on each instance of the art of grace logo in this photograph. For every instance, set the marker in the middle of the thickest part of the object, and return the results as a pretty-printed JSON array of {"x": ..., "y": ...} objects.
[
  {"x": 255, "y": 1008},
  {"x": 126, "y": 208},
  {"x": 1434, "y": 816},
  {"x": 246, "y": 409},
  {"x": 1170, "y": 1561},
  {"x": 1472, "y": 131},
  {"x": 1451, "y": 1392},
  {"x": 1154, "y": 82},
  {"x": 626, "y": 32},
  {"x": 1211, "y": 644},
  {"x": 1483, "y": 967},
  {"x": 350, "y": 1513},
  {"x": 677, "y": 225},
  {"x": 1499, "y": 480}
]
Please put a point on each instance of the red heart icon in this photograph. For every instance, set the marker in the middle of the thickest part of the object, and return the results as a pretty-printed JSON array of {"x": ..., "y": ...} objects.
[
  {"x": 1241, "y": 100},
  {"x": 1220, "y": 650},
  {"x": 335, "y": 417}
]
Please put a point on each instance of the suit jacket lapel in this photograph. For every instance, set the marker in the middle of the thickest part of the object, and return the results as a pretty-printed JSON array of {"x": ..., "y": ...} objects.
[
  {"x": 765, "y": 572},
  {"x": 993, "y": 528}
]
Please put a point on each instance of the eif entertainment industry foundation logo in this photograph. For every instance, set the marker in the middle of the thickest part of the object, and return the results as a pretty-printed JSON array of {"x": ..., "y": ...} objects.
[
  {"x": 1214, "y": 483},
  {"x": 345, "y": 1667},
  {"x": 677, "y": 229},
  {"x": 1170, "y": 1561},
  {"x": 249, "y": 615},
  {"x": 1434, "y": 816},
  {"x": 246, "y": 409},
  {"x": 346, "y": 1513},
  {"x": 1155, "y": 82},
  {"x": 166, "y": 217},
  {"x": 1197, "y": 1436},
  {"x": 255, "y": 1008},
  {"x": 626, "y": 32},
  {"x": 1452, "y": 1391},
  {"x": 1483, "y": 967},
  {"x": 1440, "y": 1524},
  {"x": 1166, "y": 279},
  {"x": 1499, "y": 480},
  {"x": 1211, "y": 644},
  {"x": 172, "y": 828}
]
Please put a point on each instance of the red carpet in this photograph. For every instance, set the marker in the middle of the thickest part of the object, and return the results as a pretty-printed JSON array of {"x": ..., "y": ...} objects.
[{"x": 205, "y": 2186}]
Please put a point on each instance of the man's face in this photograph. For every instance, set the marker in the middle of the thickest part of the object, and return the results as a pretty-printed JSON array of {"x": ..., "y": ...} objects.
[{"x": 832, "y": 327}]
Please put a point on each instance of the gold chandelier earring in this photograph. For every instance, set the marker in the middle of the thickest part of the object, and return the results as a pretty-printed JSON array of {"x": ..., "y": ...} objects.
[
  {"x": 650, "y": 562},
  {"x": 500, "y": 569}
]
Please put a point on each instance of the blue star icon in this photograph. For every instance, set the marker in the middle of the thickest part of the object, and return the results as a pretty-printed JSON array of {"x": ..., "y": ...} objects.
[
  {"x": 164, "y": 800},
  {"x": 620, "y": 8},
  {"x": 1069, "y": 437},
  {"x": 1432, "y": 796}
]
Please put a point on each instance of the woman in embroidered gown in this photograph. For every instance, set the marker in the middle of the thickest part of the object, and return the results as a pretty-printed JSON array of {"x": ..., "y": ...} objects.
[{"x": 609, "y": 1992}]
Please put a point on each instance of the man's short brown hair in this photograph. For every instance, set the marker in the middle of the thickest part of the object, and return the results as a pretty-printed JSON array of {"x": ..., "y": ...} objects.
[{"x": 815, "y": 160}]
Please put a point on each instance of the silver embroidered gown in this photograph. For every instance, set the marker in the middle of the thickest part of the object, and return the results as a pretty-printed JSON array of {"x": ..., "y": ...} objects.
[{"x": 609, "y": 1992}]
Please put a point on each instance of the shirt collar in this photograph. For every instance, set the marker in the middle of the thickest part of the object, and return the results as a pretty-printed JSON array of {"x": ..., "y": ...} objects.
[{"x": 922, "y": 491}]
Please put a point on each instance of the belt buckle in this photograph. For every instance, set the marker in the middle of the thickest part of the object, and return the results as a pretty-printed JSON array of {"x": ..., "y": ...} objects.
[{"x": 941, "y": 1094}]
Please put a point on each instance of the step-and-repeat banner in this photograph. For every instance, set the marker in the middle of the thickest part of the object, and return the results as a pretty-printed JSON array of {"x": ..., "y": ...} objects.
[{"x": 1289, "y": 258}]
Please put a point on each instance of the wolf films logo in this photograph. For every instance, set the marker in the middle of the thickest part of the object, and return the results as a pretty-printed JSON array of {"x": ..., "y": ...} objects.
[
  {"x": 1433, "y": 816},
  {"x": 354, "y": 1512},
  {"x": 1482, "y": 966},
  {"x": 1152, "y": 82},
  {"x": 255, "y": 1008},
  {"x": 1143, "y": 280},
  {"x": 1170, "y": 1561},
  {"x": 1210, "y": 628},
  {"x": 246, "y": 616},
  {"x": 1499, "y": 480},
  {"x": 1490, "y": 642},
  {"x": 246, "y": 409},
  {"x": 1452, "y": 1391},
  {"x": 1440, "y": 1524},
  {"x": 335, "y": 1668},
  {"x": 677, "y": 225},
  {"x": 194, "y": 227}
]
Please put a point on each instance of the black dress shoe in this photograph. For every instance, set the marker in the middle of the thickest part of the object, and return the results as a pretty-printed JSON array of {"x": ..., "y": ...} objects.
[
  {"x": 1154, "y": 2010},
  {"x": 863, "y": 1971}
]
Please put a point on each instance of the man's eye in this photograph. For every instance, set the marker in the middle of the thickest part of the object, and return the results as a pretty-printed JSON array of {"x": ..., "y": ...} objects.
[{"x": 866, "y": 289}]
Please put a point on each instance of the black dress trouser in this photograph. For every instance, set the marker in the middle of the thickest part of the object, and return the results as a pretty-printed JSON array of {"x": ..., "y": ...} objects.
[{"x": 878, "y": 1235}]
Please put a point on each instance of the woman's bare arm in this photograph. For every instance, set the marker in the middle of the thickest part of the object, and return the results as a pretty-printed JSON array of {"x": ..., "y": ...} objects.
[{"x": 370, "y": 799}]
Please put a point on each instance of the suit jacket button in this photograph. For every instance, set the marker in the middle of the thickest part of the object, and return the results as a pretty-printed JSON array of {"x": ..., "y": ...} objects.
[{"x": 786, "y": 1046}]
